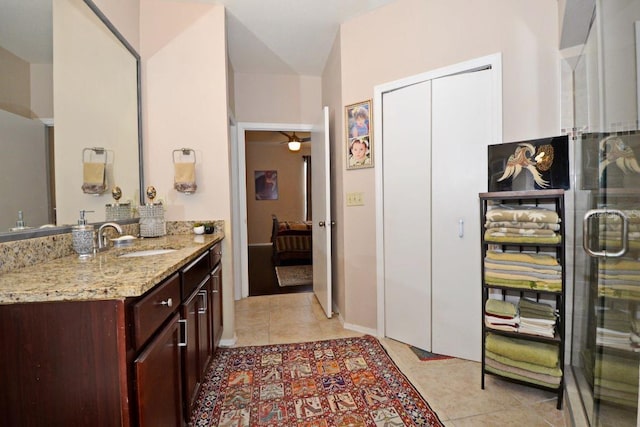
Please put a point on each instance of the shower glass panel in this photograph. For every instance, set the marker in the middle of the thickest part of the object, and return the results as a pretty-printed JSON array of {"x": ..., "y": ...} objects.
[{"x": 605, "y": 351}]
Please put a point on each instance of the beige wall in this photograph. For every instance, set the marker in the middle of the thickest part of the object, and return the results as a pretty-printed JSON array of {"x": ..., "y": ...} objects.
[
  {"x": 183, "y": 49},
  {"x": 409, "y": 37},
  {"x": 42, "y": 90},
  {"x": 277, "y": 98},
  {"x": 290, "y": 203},
  {"x": 15, "y": 84}
]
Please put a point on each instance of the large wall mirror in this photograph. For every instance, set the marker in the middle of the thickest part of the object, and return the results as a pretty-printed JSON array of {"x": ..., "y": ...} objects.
[{"x": 69, "y": 82}]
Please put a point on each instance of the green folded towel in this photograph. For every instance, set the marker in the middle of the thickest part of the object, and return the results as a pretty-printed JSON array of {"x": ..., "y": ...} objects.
[
  {"x": 519, "y": 377},
  {"x": 526, "y": 284},
  {"x": 530, "y": 376},
  {"x": 536, "y": 310},
  {"x": 534, "y": 352},
  {"x": 554, "y": 372},
  {"x": 500, "y": 308}
]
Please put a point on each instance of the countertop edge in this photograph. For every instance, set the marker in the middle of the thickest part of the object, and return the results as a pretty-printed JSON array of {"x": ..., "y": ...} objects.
[{"x": 104, "y": 276}]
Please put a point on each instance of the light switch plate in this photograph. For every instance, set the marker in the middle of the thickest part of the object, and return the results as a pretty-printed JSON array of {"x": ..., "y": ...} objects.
[{"x": 355, "y": 199}]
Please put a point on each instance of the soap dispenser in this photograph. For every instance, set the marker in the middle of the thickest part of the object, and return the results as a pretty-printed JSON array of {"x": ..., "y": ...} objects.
[{"x": 82, "y": 236}]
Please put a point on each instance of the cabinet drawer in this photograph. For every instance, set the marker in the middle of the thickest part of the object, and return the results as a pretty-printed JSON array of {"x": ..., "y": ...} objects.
[
  {"x": 215, "y": 254},
  {"x": 193, "y": 274},
  {"x": 153, "y": 309}
]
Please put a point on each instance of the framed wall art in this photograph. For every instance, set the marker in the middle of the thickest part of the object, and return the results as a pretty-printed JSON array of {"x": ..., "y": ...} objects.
[
  {"x": 359, "y": 139},
  {"x": 535, "y": 164},
  {"x": 266, "y": 185}
]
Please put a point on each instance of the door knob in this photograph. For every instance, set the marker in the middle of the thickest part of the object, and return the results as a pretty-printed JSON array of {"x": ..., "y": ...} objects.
[{"x": 321, "y": 224}]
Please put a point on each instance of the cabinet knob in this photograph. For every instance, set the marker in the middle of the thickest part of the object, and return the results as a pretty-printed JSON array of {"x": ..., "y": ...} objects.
[{"x": 168, "y": 302}]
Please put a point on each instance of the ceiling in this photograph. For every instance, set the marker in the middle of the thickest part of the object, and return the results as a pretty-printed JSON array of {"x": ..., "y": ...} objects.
[
  {"x": 287, "y": 36},
  {"x": 264, "y": 36}
]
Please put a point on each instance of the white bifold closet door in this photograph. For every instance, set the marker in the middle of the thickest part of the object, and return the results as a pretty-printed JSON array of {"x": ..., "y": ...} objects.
[
  {"x": 435, "y": 163},
  {"x": 407, "y": 214}
]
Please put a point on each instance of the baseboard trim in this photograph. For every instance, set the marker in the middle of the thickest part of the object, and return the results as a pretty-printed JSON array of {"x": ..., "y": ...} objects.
[
  {"x": 229, "y": 342},
  {"x": 359, "y": 328}
]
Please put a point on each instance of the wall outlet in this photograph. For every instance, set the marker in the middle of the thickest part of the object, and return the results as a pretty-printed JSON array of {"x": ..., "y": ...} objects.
[{"x": 355, "y": 199}]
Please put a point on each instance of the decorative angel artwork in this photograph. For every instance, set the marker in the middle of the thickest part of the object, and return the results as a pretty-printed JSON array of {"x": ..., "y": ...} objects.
[
  {"x": 613, "y": 150},
  {"x": 534, "y": 160}
]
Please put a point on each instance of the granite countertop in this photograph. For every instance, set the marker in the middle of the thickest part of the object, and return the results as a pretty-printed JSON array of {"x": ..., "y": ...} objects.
[{"x": 104, "y": 275}]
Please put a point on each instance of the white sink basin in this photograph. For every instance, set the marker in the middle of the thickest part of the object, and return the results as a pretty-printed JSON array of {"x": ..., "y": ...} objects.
[{"x": 150, "y": 252}]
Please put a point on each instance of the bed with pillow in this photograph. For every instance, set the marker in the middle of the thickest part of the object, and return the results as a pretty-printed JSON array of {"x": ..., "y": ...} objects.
[{"x": 292, "y": 242}]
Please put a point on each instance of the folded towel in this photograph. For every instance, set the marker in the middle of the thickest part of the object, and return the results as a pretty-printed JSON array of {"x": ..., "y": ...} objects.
[
  {"x": 537, "y": 353},
  {"x": 93, "y": 178},
  {"x": 521, "y": 266},
  {"x": 491, "y": 236},
  {"x": 501, "y": 327},
  {"x": 522, "y": 213},
  {"x": 531, "y": 367},
  {"x": 515, "y": 376},
  {"x": 497, "y": 320},
  {"x": 523, "y": 275},
  {"x": 536, "y": 309},
  {"x": 523, "y": 284},
  {"x": 523, "y": 224},
  {"x": 522, "y": 231},
  {"x": 542, "y": 379},
  {"x": 500, "y": 307},
  {"x": 533, "y": 258},
  {"x": 185, "y": 177}
]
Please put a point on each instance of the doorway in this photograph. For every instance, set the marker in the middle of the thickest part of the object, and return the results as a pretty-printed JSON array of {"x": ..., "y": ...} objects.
[
  {"x": 239, "y": 156},
  {"x": 277, "y": 186}
]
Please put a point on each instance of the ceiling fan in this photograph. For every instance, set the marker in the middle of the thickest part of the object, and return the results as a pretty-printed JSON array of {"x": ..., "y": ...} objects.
[{"x": 294, "y": 141}]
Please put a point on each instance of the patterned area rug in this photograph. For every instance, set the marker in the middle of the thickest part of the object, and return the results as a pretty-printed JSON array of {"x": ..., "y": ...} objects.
[
  {"x": 294, "y": 275},
  {"x": 342, "y": 382}
]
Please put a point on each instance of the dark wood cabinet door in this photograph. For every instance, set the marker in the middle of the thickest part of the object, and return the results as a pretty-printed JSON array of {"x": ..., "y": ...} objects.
[
  {"x": 205, "y": 328},
  {"x": 158, "y": 374},
  {"x": 190, "y": 371},
  {"x": 216, "y": 305},
  {"x": 63, "y": 364}
]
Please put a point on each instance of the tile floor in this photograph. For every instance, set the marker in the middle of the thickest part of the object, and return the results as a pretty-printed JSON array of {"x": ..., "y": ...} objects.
[{"x": 451, "y": 386}]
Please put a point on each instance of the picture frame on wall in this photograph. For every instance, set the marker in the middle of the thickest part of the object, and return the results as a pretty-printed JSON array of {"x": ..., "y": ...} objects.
[
  {"x": 359, "y": 136},
  {"x": 266, "y": 184}
]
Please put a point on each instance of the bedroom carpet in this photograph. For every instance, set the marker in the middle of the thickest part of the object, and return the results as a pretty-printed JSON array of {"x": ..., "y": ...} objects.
[
  {"x": 338, "y": 382},
  {"x": 262, "y": 274},
  {"x": 294, "y": 275}
]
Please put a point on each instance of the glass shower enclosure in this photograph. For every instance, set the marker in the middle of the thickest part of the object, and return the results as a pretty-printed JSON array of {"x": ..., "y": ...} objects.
[{"x": 604, "y": 116}]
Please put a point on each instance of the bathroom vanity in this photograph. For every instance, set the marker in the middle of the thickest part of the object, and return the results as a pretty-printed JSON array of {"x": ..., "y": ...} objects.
[{"x": 112, "y": 340}]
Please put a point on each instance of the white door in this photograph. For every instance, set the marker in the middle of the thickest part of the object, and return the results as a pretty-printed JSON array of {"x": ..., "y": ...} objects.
[
  {"x": 407, "y": 214},
  {"x": 321, "y": 211},
  {"x": 461, "y": 129}
]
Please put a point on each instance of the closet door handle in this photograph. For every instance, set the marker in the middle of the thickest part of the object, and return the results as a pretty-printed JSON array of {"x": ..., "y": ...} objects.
[
  {"x": 586, "y": 235},
  {"x": 461, "y": 228}
]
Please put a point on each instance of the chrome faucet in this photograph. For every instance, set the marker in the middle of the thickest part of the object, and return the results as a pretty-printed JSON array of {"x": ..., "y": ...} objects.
[{"x": 103, "y": 245}]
